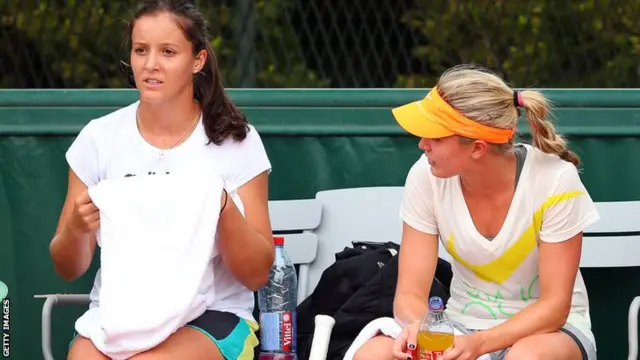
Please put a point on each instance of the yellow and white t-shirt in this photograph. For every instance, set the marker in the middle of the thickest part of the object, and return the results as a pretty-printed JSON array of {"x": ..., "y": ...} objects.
[{"x": 494, "y": 279}]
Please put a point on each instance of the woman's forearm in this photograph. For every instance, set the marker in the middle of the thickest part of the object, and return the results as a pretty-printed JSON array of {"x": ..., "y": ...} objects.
[
  {"x": 71, "y": 254},
  {"x": 408, "y": 307},
  {"x": 245, "y": 251},
  {"x": 416, "y": 271},
  {"x": 541, "y": 317}
]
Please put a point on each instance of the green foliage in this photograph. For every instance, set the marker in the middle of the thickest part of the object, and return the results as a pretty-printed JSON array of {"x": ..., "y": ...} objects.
[
  {"x": 80, "y": 44},
  {"x": 531, "y": 43}
]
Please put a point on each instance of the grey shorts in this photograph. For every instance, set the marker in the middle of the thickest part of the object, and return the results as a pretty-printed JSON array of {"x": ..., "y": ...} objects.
[{"x": 586, "y": 347}]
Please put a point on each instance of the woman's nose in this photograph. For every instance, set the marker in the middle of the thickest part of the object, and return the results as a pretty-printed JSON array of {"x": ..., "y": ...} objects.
[
  {"x": 152, "y": 62},
  {"x": 424, "y": 144}
]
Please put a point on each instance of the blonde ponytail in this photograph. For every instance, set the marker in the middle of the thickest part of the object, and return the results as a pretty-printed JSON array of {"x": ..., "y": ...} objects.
[
  {"x": 545, "y": 138},
  {"x": 482, "y": 96}
]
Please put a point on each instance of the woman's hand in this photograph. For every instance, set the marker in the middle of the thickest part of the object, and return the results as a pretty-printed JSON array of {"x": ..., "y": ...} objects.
[
  {"x": 85, "y": 216},
  {"x": 404, "y": 346},
  {"x": 465, "y": 347}
]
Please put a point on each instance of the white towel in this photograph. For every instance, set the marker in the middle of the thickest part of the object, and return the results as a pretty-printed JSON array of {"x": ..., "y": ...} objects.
[
  {"x": 386, "y": 326},
  {"x": 157, "y": 237}
]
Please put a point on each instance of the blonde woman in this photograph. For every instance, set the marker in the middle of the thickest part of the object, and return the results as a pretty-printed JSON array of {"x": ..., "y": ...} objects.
[{"x": 511, "y": 216}]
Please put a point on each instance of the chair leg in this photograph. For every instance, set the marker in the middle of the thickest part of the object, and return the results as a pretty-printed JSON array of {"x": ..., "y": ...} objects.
[
  {"x": 52, "y": 300},
  {"x": 633, "y": 328},
  {"x": 46, "y": 327}
]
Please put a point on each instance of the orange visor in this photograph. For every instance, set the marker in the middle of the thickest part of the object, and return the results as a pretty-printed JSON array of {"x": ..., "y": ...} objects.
[{"x": 433, "y": 118}]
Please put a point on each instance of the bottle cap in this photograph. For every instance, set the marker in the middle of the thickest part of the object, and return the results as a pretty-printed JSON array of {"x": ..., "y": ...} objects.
[
  {"x": 435, "y": 303},
  {"x": 278, "y": 240}
]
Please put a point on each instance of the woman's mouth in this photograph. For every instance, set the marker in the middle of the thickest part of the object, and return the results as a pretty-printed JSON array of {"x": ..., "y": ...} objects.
[{"x": 151, "y": 82}]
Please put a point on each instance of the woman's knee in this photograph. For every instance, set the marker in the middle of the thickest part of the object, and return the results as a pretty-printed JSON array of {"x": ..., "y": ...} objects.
[
  {"x": 186, "y": 343},
  {"x": 521, "y": 353},
  {"x": 551, "y": 346},
  {"x": 83, "y": 349},
  {"x": 379, "y": 347}
]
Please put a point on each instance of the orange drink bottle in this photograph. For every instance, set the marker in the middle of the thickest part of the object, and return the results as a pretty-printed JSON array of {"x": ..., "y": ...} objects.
[{"x": 436, "y": 332}]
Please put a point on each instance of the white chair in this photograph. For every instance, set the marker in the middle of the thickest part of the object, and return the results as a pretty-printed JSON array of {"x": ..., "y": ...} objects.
[
  {"x": 302, "y": 216},
  {"x": 369, "y": 214},
  {"x": 292, "y": 219},
  {"x": 614, "y": 241}
]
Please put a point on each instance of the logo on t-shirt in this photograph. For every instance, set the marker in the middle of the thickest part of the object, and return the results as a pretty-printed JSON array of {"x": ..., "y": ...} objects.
[{"x": 148, "y": 173}]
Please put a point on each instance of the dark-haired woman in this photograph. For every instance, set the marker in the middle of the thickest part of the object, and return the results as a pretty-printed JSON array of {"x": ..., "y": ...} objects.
[{"x": 183, "y": 119}]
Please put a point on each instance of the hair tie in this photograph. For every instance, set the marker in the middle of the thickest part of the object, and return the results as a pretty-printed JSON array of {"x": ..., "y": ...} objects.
[{"x": 517, "y": 98}]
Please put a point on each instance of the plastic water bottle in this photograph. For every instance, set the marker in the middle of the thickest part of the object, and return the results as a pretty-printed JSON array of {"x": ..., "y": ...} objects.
[
  {"x": 436, "y": 332},
  {"x": 277, "y": 301}
]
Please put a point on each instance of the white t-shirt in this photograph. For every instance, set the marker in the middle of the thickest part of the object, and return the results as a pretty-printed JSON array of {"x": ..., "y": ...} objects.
[
  {"x": 112, "y": 147},
  {"x": 494, "y": 279}
]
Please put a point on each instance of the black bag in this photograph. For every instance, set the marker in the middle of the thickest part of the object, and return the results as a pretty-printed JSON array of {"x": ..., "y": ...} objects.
[{"x": 358, "y": 288}]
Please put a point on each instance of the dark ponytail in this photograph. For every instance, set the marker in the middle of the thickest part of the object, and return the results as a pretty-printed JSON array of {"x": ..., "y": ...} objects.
[{"x": 221, "y": 118}]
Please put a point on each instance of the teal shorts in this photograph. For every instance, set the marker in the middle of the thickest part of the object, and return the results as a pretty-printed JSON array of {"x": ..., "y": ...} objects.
[{"x": 234, "y": 336}]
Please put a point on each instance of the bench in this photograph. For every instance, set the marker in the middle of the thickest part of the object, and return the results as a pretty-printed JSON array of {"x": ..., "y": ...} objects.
[{"x": 336, "y": 218}]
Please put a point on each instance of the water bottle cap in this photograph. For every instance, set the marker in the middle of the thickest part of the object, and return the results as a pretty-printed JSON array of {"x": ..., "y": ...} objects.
[
  {"x": 435, "y": 303},
  {"x": 278, "y": 240}
]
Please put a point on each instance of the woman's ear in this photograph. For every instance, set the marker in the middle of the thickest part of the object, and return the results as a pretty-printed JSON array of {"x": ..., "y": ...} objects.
[
  {"x": 201, "y": 60},
  {"x": 479, "y": 148}
]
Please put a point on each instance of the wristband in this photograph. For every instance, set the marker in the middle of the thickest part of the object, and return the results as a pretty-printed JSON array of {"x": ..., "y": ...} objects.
[{"x": 226, "y": 198}]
